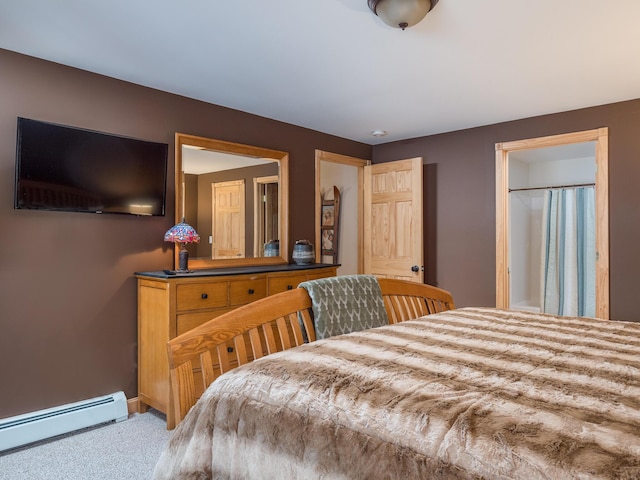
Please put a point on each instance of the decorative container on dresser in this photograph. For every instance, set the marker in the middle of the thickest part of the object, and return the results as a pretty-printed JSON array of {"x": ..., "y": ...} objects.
[{"x": 169, "y": 305}]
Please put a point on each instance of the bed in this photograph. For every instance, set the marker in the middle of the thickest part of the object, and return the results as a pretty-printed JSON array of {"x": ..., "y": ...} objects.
[{"x": 461, "y": 393}]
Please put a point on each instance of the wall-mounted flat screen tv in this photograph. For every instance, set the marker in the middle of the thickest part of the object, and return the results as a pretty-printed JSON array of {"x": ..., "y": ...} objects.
[{"x": 76, "y": 170}]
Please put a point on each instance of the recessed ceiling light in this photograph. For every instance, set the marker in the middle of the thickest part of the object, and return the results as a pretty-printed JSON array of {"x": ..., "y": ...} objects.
[{"x": 378, "y": 133}]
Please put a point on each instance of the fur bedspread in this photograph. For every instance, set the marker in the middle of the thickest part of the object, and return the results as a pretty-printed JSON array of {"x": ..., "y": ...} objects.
[{"x": 469, "y": 393}]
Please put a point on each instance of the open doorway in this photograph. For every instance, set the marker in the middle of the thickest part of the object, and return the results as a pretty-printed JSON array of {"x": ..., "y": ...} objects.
[
  {"x": 265, "y": 212},
  {"x": 552, "y": 198},
  {"x": 346, "y": 173}
]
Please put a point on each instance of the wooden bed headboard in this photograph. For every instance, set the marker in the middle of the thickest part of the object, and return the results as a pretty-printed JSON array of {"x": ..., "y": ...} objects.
[{"x": 266, "y": 326}]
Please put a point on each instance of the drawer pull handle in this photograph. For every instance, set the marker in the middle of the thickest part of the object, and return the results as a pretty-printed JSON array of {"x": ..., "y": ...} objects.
[
  {"x": 204, "y": 296},
  {"x": 251, "y": 291},
  {"x": 289, "y": 287},
  {"x": 230, "y": 349}
]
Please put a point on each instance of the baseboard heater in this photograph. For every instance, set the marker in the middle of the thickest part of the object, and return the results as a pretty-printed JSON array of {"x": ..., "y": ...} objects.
[{"x": 32, "y": 427}]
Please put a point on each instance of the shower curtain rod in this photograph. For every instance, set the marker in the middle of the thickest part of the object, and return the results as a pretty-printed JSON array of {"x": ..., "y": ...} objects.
[{"x": 576, "y": 185}]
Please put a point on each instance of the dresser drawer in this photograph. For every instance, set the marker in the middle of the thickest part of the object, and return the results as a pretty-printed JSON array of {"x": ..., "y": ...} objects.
[
  {"x": 199, "y": 296},
  {"x": 187, "y": 321},
  {"x": 242, "y": 292},
  {"x": 282, "y": 284}
]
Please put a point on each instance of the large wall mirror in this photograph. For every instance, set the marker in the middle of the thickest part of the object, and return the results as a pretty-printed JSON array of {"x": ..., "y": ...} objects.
[{"x": 236, "y": 197}]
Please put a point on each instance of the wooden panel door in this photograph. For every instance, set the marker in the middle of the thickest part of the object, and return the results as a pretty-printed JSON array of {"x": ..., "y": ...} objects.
[
  {"x": 393, "y": 220},
  {"x": 228, "y": 219}
]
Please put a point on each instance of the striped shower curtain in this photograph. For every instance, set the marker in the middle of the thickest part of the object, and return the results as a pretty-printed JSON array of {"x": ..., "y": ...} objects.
[{"x": 569, "y": 252}]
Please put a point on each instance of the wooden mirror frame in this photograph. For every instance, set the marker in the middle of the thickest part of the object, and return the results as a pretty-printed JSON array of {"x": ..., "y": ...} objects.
[{"x": 283, "y": 204}]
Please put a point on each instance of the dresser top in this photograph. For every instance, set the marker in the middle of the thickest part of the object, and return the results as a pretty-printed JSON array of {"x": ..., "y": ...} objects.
[{"x": 215, "y": 272}]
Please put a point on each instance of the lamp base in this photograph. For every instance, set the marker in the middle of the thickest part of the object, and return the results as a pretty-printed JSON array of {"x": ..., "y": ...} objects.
[{"x": 183, "y": 260}]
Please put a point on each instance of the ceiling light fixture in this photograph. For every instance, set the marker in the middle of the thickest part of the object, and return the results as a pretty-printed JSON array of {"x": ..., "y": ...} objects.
[
  {"x": 400, "y": 13},
  {"x": 378, "y": 133}
]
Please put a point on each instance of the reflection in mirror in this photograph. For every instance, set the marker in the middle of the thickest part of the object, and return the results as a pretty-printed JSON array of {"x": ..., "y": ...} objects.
[{"x": 235, "y": 196}]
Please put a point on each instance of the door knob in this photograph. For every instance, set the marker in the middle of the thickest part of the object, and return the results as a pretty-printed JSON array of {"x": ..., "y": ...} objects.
[{"x": 415, "y": 268}]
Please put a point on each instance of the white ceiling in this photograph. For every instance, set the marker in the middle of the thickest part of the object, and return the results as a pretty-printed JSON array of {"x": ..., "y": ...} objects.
[
  {"x": 332, "y": 66},
  {"x": 198, "y": 161}
]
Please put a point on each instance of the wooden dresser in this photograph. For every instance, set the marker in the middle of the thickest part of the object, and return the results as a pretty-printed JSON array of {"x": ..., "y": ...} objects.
[{"x": 169, "y": 305}]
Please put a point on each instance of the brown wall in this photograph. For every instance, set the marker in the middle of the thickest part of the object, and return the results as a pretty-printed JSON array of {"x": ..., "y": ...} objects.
[
  {"x": 67, "y": 291},
  {"x": 460, "y": 166}
]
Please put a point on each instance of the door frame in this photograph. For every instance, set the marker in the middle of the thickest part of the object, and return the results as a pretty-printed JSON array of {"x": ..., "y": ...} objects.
[
  {"x": 359, "y": 163},
  {"x": 601, "y": 138}
]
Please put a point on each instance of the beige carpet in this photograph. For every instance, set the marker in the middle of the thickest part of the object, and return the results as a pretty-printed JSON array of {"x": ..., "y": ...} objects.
[{"x": 126, "y": 450}]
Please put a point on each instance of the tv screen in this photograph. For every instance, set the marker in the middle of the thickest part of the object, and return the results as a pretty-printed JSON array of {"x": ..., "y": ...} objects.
[{"x": 76, "y": 170}]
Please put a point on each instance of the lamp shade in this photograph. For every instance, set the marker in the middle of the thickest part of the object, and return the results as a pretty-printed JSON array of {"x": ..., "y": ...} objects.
[
  {"x": 182, "y": 233},
  {"x": 400, "y": 13}
]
